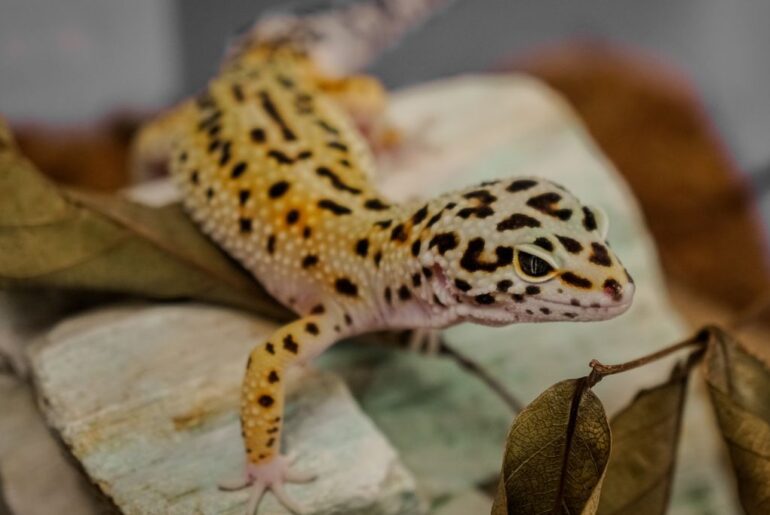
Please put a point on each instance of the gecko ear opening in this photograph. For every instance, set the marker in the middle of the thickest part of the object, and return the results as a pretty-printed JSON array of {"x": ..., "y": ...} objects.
[{"x": 602, "y": 221}]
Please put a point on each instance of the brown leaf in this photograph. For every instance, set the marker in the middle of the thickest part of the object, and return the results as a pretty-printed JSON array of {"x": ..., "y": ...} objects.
[
  {"x": 53, "y": 239},
  {"x": 556, "y": 454},
  {"x": 740, "y": 391},
  {"x": 645, "y": 438}
]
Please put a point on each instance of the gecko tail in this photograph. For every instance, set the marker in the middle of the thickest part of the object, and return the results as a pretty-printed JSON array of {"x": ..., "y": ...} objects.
[{"x": 341, "y": 37}]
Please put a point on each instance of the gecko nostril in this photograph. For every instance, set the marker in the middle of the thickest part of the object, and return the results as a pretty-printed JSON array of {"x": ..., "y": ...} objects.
[{"x": 613, "y": 289}]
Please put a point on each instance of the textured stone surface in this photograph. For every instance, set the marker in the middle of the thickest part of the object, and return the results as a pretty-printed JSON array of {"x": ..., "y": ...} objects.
[{"x": 145, "y": 398}]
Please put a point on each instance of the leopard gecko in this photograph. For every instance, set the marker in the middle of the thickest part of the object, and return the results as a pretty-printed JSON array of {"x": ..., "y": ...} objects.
[{"x": 274, "y": 166}]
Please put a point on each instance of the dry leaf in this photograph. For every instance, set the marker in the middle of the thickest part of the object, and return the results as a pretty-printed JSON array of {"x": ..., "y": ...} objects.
[
  {"x": 52, "y": 239},
  {"x": 556, "y": 454},
  {"x": 740, "y": 391},
  {"x": 645, "y": 438}
]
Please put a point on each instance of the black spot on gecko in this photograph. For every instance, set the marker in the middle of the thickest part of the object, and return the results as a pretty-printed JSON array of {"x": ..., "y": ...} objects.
[
  {"x": 375, "y": 204},
  {"x": 478, "y": 212},
  {"x": 427, "y": 272},
  {"x": 576, "y": 280},
  {"x": 416, "y": 280},
  {"x": 280, "y": 157},
  {"x": 404, "y": 293},
  {"x": 292, "y": 217},
  {"x": 517, "y": 221},
  {"x": 327, "y": 127},
  {"x": 258, "y": 135},
  {"x": 244, "y": 225},
  {"x": 271, "y": 109},
  {"x": 243, "y": 196},
  {"x": 270, "y": 442},
  {"x": 545, "y": 204},
  {"x": 237, "y": 92},
  {"x": 290, "y": 344},
  {"x": 520, "y": 185},
  {"x": 504, "y": 285},
  {"x": 270, "y": 348},
  {"x": 420, "y": 215},
  {"x": 377, "y": 259},
  {"x": 444, "y": 242},
  {"x": 336, "y": 145},
  {"x": 307, "y": 232},
  {"x": 532, "y": 290},
  {"x": 388, "y": 295},
  {"x": 545, "y": 311},
  {"x": 383, "y": 224},
  {"x": 305, "y": 154},
  {"x": 471, "y": 258},
  {"x": 589, "y": 221},
  {"x": 517, "y": 297},
  {"x": 485, "y": 298},
  {"x": 398, "y": 233},
  {"x": 265, "y": 401},
  {"x": 571, "y": 245},
  {"x": 209, "y": 193},
  {"x": 271, "y": 244},
  {"x": 416, "y": 244},
  {"x": 348, "y": 319},
  {"x": 213, "y": 145},
  {"x": 195, "y": 177},
  {"x": 272, "y": 377},
  {"x": 544, "y": 243},
  {"x": 482, "y": 195},
  {"x": 318, "y": 309},
  {"x": 462, "y": 285},
  {"x": 332, "y": 206},
  {"x": 238, "y": 170},
  {"x": 345, "y": 286},
  {"x": 224, "y": 157},
  {"x": 435, "y": 218},
  {"x": 345, "y": 163},
  {"x": 600, "y": 255},
  {"x": 278, "y": 189},
  {"x": 362, "y": 247},
  {"x": 309, "y": 260},
  {"x": 337, "y": 183}
]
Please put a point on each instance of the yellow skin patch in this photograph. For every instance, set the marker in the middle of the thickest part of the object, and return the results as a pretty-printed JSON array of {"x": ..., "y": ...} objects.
[{"x": 275, "y": 171}]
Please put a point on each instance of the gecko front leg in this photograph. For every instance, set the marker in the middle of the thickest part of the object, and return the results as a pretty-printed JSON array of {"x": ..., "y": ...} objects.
[{"x": 262, "y": 406}]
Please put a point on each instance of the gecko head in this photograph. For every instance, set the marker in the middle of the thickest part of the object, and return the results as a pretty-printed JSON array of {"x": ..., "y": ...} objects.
[{"x": 524, "y": 250}]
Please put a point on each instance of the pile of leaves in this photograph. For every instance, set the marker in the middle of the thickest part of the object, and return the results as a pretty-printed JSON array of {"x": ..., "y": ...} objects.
[{"x": 563, "y": 455}]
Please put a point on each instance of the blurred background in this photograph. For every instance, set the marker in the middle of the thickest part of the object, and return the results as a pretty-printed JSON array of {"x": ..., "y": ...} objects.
[{"x": 675, "y": 93}]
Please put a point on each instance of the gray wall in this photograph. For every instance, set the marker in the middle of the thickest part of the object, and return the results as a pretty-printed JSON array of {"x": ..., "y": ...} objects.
[{"x": 69, "y": 60}]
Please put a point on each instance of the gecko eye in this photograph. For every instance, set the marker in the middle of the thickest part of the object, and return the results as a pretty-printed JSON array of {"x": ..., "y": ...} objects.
[{"x": 533, "y": 268}]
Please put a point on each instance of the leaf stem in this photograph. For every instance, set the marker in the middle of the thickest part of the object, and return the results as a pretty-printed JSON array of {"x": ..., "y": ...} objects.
[{"x": 600, "y": 370}]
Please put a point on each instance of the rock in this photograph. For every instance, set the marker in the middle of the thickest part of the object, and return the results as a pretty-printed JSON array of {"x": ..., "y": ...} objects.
[
  {"x": 36, "y": 477},
  {"x": 145, "y": 398}
]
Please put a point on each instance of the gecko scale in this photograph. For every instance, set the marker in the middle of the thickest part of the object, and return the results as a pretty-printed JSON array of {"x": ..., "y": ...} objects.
[{"x": 273, "y": 168}]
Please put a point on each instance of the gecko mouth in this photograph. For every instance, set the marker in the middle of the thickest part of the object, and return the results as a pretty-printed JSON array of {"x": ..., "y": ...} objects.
[{"x": 541, "y": 311}]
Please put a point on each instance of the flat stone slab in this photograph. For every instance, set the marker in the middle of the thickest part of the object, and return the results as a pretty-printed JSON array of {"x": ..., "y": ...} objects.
[{"x": 145, "y": 397}]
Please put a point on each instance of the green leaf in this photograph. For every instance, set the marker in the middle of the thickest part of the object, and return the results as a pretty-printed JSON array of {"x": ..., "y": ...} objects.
[
  {"x": 55, "y": 239},
  {"x": 556, "y": 454},
  {"x": 739, "y": 385},
  {"x": 645, "y": 439}
]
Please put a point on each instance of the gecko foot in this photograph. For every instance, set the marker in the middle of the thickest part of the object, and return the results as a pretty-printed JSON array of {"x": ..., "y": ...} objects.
[
  {"x": 425, "y": 341},
  {"x": 271, "y": 475}
]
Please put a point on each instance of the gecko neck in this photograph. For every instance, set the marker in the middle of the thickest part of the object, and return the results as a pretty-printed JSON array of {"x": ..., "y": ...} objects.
[{"x": 408, "y": 290}]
